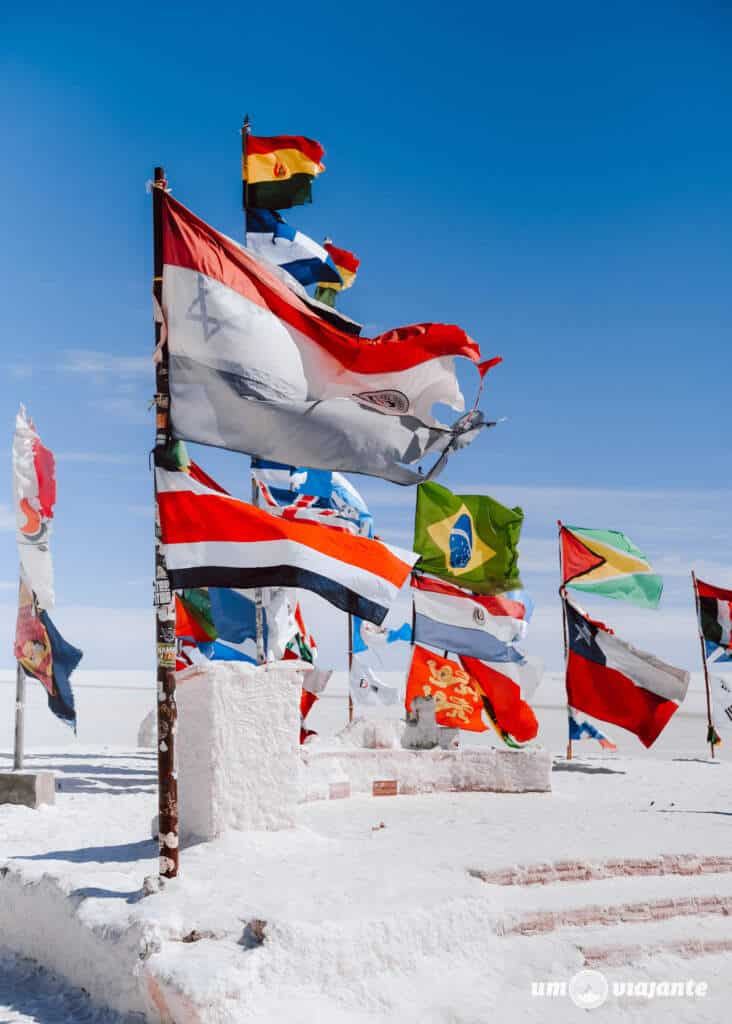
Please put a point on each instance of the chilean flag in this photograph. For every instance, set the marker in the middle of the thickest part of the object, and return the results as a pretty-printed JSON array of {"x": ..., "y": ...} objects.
[
  {"x": 214, "y": 540},
  {"x": 609, "y": 679}
]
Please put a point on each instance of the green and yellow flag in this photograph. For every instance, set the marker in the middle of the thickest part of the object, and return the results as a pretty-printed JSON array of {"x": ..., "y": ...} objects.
[
  {"x": 607, "y": 563},
  {"x": 470, "y": 539}
]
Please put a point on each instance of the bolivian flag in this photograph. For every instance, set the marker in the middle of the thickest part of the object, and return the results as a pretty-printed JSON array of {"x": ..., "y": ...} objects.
[
  {"x": 277, "y": 171},
  {"x": 608, "y": 563},
  {"x": 347, "y": 265}
]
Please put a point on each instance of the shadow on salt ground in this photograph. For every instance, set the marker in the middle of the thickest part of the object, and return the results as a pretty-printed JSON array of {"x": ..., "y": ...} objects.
[
  {"x": 92, "y": 770},
  {"x": 122, "y": 853},
  {"x": 90, "y": 785},
  {"x": 30, "y": 993},
  {"x": 698, "y": 760},
  {"x": 680, "y": 810},
  {"x": 100, "y": 755},
  {"x": 585, "y": 769},
  {"x": 93, "y": 892}
]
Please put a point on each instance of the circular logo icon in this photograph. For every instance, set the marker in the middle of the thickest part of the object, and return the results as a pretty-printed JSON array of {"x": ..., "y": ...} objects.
[
  {"x": 588, "y": 989},
  {"x": 388, "y": 400},
  {"x": 479, "y": 616}
]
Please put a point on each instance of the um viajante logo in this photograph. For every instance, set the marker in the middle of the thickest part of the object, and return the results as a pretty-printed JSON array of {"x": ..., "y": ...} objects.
[{"x": 590, "y": 989}]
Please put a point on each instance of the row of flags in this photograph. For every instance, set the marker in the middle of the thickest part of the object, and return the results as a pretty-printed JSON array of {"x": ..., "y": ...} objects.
[
  {"x": 39, "y": 648},
  {"x": 277, "y": 173},
  {"x": 259, "y": 365}
]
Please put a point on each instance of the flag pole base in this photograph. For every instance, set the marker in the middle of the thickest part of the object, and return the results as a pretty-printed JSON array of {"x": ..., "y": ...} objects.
[{"x": 29, "y": 789}]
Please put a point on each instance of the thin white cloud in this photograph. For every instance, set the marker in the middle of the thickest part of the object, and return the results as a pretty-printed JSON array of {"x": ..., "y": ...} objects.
[
  {"x": 89, "y": 362},
  {"x": 7, "y": 518},
  {"x": 97, "y": 457},
  {"x": 129, "y": 410}
]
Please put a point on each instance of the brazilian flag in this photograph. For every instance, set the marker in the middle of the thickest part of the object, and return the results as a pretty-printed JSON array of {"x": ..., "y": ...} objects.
[{"x": 470, "y": 539}]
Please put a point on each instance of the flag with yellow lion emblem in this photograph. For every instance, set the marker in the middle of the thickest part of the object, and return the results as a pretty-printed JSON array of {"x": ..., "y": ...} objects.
[{"x": 458, "y": 702}]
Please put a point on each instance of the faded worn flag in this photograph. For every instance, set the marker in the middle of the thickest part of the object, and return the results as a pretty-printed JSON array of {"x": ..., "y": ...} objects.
[{"x": 254, "y": 369}]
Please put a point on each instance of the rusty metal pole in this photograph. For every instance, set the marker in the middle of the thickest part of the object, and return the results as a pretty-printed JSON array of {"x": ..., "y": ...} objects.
[{"x": 164, "y": 597}]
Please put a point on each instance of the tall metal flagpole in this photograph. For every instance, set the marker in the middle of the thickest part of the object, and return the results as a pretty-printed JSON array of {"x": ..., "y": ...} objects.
[
  {"x": 246, "y": 129},
  {"x": 710, "y": 723},
  {"x": 19, "y": 746},
  {"x": 19, "y": 718},
  {"x": 164, "y": 598},
  {"x": 350, "y": 665},
  {"x": 562, "y": 595}
]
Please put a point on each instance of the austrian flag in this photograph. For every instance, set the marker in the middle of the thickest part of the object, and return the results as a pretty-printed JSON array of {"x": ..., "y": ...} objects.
[{"x": 214, "y": 540}]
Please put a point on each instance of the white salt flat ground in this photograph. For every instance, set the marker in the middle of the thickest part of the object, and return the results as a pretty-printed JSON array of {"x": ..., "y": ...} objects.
[{"x": 372, "y": 914}]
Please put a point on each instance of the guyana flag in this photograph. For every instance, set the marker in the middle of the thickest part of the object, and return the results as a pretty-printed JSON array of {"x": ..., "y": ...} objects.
[
  {"x": 278, "y": 171},
  {"x": 608, "y": 563},
  {"x": 470, "y": 539}
]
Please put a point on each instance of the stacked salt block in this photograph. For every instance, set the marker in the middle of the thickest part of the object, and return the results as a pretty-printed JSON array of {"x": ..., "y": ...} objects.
[{"x": 238, "y": 747}]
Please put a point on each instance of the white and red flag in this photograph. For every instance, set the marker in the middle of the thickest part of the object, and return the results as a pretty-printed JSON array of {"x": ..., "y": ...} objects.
[
  {"x": 34, "y": 490},
  {"x": 610, "y": 679},
  {"x": 458, "y": 620},
  {"x": 214, "y": 540},
  {"x": 254, "y": 369}
]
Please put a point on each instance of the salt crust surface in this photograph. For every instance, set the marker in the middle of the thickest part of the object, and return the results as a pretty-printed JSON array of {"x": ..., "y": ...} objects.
[
  {"x": 372, "y": 913},
  {"x": 239, "y": 748}
]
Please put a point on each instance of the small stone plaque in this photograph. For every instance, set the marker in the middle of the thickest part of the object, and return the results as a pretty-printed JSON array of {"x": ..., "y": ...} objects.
[
  {"x": 340, "y": 790},
  {"x": 384, "y": 787}
]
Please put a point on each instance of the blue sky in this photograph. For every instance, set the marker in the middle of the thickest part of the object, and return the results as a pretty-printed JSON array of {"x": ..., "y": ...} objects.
[{"x": 554, "y": 179}]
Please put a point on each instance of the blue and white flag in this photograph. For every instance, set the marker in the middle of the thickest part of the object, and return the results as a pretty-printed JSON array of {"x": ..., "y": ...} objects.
[
  {"x": 317, "y": 494},
  {"x": 367, "y": 634},
  {"x": 271, "y": 239},
  {"x": 580, "y": 728}
]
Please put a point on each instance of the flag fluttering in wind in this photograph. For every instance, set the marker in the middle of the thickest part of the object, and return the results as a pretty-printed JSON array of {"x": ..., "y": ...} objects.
[
  {"x": 346, "y": 264},
  {"x": 721, "y": 699},
  {"x": 44, "y": 654},
  {"x": 479, "y": 625},
  {"x": 607, "y": 563},
  {"x": 367, "y": 688},
  {"x": 312, "y": 494},
  {"x": 367, "y": 636},
  {"x": 271, "y": 239},
  {"x": 470, "y": 539},
  {"x": 610, "y": 679},
  {"x": 254, "y": 369},
  {"x": 214, "y": 540},
  {"x": 506, "y": 689},
  {"x": 34, "y": 488},
  {"x": 457, "y": 697},
  {"x": 581, "y": 728},
  {"x": 715, "y": 614},
  {"x": 278, "y": 170}
]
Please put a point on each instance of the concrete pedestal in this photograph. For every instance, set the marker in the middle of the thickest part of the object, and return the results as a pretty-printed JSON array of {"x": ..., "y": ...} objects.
[
  {"x": 238, "y": 747},
  {"x": 31, "y": 789}
]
